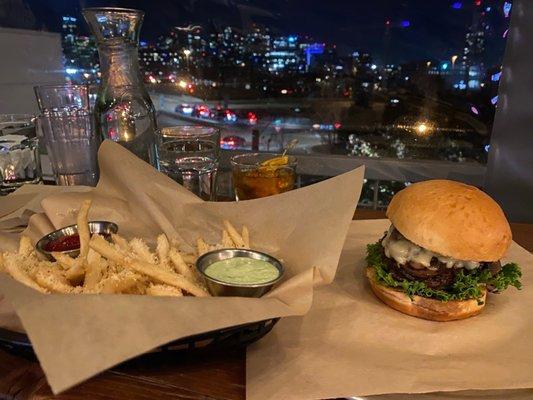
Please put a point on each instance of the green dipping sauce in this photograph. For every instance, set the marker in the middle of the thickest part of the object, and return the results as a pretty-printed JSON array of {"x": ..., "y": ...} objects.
[{"x": 242, "y": 270}]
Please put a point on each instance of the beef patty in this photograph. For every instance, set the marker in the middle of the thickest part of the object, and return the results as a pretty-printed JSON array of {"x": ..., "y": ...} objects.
[{"x": 436, "y": 277}]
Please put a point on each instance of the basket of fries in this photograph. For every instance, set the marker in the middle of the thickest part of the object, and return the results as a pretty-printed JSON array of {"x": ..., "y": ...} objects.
[{"x": 107, "y": 263}]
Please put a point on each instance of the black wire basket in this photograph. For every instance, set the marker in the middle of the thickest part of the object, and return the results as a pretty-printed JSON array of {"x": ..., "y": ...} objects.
[{"x": 226, "y": 338}]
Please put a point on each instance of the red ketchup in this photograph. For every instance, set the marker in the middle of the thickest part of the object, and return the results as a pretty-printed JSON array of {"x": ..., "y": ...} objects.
[{"x": 64, "y": 243}]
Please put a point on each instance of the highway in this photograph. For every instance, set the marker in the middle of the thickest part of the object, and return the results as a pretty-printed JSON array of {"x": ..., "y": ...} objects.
[{"x": 275, "y": 132}]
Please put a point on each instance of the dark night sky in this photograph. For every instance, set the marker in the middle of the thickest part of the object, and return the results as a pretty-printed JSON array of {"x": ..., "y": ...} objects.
[{"x": 436, "y": 29}]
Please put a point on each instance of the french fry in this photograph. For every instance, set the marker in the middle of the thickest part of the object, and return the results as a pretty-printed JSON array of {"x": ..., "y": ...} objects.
[
  {"x": 75, "y": 269},
  {"x": 51, "y": 279},
  {"x": 235, "y": 236},
  {"x": 246, "y": 237},
  {"x": 2, "y": 268},
  {"x": 163, "y": 290},
  {"x": 120, "y": 283},
  {"x": 163, "y": 248},
  {"x": 121, "y": 242},
  {"x": 65, "y": 261},
  {"x": 142, "y": 251},
  {"x": 226, "y": 240},
  {"x": 94, "y": 270},
  {"x": 202, "y": 246},
  {"x": 166, "y": 277},
  {"x": 25, "y": 246},
  {"x": 82, "y": 222},
  {"x": 189, "y": 258},
  {"x": 179, "y": 264},
  {"x": 12, "y": 266},
  {"x": 102, "y": 246}
]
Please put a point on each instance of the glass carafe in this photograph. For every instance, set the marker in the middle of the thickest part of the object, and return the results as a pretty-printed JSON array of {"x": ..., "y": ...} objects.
[{"x": 123, "y": 111}]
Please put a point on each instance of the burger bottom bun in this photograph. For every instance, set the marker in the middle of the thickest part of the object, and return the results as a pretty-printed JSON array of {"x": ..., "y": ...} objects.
[{"x": 423, "y": 307}]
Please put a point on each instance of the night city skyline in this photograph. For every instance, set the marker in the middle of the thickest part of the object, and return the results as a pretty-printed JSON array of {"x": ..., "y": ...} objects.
[
  {"x": 416, "y": 29},
  {"x": 400, "y": 79}
]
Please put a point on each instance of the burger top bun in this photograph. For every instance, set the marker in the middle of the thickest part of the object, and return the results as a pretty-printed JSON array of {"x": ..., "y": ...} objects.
[{"x": 452, "y": 219}]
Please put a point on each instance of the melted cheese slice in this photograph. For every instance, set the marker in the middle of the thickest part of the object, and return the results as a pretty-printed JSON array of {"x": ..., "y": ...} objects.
[{"x": 403, "y": 251}]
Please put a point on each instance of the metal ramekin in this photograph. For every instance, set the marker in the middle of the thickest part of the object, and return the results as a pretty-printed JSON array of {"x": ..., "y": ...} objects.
[
  {"x": 101, "y": 227},
  {"x": 221, "y": 288}
]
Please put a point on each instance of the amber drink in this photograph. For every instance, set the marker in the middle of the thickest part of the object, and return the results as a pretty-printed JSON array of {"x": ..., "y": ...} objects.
[{"x": 260, "y": 175}]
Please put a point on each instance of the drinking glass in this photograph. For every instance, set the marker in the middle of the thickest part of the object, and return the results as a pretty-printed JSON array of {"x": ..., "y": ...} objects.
[
  {"x": 19, "y": 152},
  {"x": 253, "y": 179},
  {"x": 66, "y": 127},
  {"x": 189, "y": 155}
]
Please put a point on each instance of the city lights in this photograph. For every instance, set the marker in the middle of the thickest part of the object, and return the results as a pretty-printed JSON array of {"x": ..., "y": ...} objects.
[
  {"x": 454, "y": 59},
  {"x": 422, "y": 128},
  {"x": 385, "y": 89},
  {"x": 507, "y": 9}
]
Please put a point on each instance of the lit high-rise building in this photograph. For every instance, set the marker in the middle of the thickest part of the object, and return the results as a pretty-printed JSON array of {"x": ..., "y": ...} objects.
[
  {"x": 473, "y": 60},
  {"x": 69, "y": 32},
  {"x": 79, "y": 52},
  {"x": 284, "y": 55}
]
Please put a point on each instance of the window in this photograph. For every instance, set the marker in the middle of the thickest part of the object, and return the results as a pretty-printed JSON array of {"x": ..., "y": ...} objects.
[{"x": 382, "y": 80}]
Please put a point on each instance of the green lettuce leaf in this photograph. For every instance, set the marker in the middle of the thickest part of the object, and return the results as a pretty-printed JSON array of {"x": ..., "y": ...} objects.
[{"x": 467, "y": 284}]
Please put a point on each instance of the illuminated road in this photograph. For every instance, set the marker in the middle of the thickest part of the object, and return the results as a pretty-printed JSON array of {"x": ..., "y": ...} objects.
[{"x": 275, "y": 133}]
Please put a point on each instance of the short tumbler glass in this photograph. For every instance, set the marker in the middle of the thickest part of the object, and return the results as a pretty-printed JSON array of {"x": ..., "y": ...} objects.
[
  {"x": 189, "y": 155},
  {"x": 19, "y": 152},
  {"x": 252, "y": 179}
]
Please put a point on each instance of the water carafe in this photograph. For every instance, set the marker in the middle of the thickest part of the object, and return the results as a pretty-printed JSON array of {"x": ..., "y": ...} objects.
[{"x": 123, "y": 111}]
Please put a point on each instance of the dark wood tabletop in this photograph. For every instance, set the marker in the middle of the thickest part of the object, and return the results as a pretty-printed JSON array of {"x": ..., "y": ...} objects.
[{"x": 208, "y": 376}]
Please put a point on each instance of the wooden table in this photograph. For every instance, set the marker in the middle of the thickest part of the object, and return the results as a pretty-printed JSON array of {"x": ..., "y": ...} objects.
[{"x": 213, "y": 376}]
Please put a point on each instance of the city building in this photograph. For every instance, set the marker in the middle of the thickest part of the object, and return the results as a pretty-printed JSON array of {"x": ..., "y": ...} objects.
[
  {"x": 285, "y": 55},
  {"x": 80, "y": 55}
]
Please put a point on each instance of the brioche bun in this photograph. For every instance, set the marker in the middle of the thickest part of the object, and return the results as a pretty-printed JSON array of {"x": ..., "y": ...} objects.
[
  {"x": 451, "y": 219},
  {"x": 423, "y": 307}
]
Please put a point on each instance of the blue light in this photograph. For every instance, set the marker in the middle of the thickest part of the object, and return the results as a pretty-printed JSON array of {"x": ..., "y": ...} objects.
[
  {"x": 445, "y": 66},
  {"x": 488, "y": 9},
  {"x": 457, "y": 5},
  {"x": 494, "y": 100},
  {"x": 487, "y": 148},
  {"x": 405, "y": 24},
  {"x": 71, "y": 71},
  {"x": 292, "y": 39},
  {"x": 496, "y": 77},
  {"x": 507, "y": 9}
]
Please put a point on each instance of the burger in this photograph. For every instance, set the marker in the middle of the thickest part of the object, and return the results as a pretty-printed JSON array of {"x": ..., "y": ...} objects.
[{"x": 442, "y": 252}]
